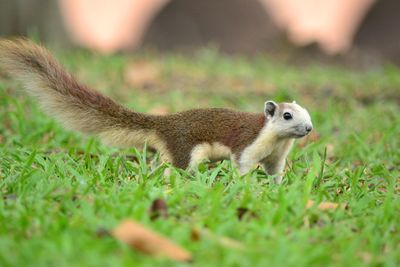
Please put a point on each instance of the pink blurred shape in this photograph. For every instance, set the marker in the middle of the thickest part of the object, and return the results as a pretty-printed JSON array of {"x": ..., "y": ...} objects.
[
  {"x": 106, "y": 25},
  {"x": 330, "y": 23},
  {"x": 109, "y": 26}
]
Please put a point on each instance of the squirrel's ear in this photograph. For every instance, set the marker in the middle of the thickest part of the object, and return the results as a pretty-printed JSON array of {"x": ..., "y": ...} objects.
[{"x": 270, "y": 107}]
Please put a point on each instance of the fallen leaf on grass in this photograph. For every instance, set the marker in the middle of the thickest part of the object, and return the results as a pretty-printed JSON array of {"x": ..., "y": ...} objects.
[
  {"x": 324, "y": 205},
  {"x": 149, "y": 242},
  {"x": 198, "y": 234},
  {"x": 158, "y": 209}
]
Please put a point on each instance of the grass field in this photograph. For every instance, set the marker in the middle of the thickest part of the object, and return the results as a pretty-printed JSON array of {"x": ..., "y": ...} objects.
[{"x": 59, "y": 188}]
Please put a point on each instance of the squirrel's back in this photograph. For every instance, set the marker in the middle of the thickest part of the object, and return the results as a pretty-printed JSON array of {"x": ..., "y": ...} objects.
[{"x": 184, "y": 130}]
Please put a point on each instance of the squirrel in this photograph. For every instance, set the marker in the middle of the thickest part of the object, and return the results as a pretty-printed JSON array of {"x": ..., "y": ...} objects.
[{"x": 183, "y": 139}]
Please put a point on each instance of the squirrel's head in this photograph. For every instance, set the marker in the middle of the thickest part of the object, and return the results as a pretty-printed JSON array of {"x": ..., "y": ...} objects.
[{"x": 288, "y": 120}]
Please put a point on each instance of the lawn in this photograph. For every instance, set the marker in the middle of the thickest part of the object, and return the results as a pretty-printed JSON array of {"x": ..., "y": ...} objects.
[{"x": 60, "y": 189}]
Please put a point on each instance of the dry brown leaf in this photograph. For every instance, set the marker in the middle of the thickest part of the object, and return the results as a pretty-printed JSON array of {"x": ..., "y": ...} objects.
[
  {"x": 324, "y": 205},
  {"x": 142, "y": 74},
  {"x": 149, "y": 242}
]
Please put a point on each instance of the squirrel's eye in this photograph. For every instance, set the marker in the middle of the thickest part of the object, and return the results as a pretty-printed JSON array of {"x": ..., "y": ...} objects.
[{"x": 287, "y": 116}]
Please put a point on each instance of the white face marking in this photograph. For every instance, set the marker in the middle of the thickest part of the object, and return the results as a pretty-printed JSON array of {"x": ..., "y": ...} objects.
[{"x": 291, "y": 121}]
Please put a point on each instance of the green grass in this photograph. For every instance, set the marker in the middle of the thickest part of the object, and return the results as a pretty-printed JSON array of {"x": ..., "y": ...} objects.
[{"x": 58, "y": 188}]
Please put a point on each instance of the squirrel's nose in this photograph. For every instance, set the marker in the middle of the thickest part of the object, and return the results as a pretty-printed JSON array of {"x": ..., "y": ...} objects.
[{"x": 308, "y": 128}]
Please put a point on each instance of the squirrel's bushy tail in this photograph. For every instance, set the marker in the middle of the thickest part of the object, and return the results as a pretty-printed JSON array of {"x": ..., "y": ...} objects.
[{"x": 61, "y": 96}]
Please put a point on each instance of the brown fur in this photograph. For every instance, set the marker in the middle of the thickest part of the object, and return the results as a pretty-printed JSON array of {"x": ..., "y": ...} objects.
[
  {"x": 183, "y": 131},
  {"x": 82, "y": 109}
]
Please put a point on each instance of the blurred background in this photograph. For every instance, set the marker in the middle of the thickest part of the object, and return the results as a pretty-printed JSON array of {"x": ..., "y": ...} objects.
[{"x": 365, "y": 30}]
